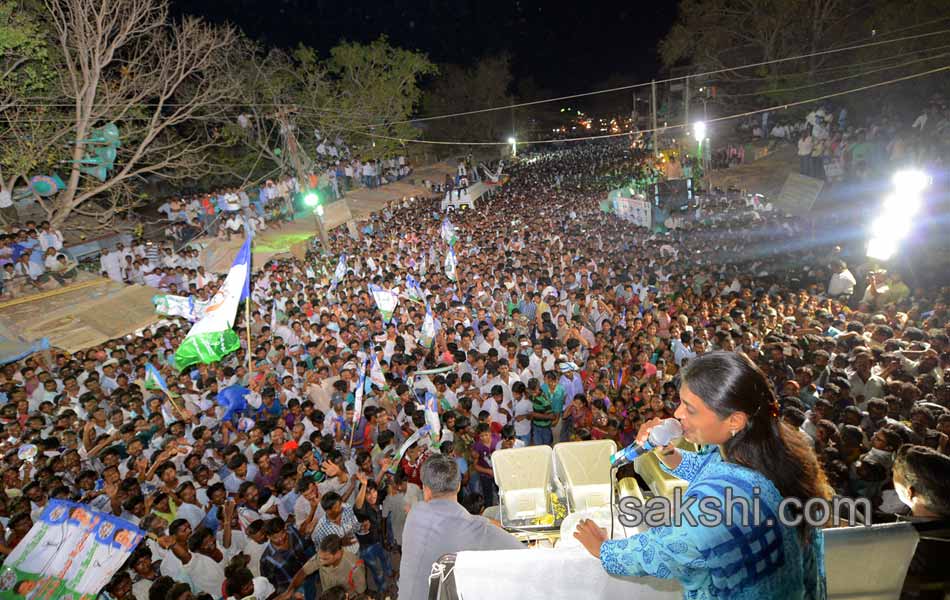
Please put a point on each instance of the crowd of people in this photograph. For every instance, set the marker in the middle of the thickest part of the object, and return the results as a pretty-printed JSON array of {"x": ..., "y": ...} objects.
[
  {"x": 231, "y": 211},
  {"x": 559, "y": 324},
  {"x": 836, "y": 148},
  {"x": 32, "y": 258}
]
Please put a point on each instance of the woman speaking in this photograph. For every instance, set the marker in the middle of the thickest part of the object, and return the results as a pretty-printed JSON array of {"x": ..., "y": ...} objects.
[{"x": 727, "y": 406}]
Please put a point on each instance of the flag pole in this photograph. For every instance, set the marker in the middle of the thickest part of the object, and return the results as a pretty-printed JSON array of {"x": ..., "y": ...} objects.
[
  {"x": 247, "y": 317},
  {"x": 247, "y": 329},
  {"x": 181, "y": 412}
]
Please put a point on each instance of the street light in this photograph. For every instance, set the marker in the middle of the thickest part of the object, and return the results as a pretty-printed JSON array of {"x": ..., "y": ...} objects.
[
  {"x": 699, "y": 132},
  {"x": 514, "y": 145}
]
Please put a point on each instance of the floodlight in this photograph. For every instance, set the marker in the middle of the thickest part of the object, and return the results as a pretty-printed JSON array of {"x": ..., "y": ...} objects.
[
  {"x": 882, "y": 248},
  {"x": 911, "y": 181},
  {"x": 699, "y": 130}
]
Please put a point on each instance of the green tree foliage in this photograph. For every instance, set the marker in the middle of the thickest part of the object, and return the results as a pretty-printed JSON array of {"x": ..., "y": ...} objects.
[
  {"x": 373, "y": 87},
  {"x": 721, "y": 34},
  {"x": 462, "y": 89},
  {"x": 26, "y": 77}
]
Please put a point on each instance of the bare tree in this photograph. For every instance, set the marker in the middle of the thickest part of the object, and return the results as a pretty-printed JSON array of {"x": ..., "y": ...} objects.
[{"x": 166, "y": 86}]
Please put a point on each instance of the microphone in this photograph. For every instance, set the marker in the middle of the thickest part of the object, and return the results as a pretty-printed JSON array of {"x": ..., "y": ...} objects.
[{"x": 669, "y": 430}]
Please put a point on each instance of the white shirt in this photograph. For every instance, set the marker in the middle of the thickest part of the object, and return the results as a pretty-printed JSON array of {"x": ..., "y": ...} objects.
[
  {"x": 207, "y": 575},
  {"x": 254, "y": 551},
  {"x": 841, "y": 284},
  {"x": 523, "y": 407}
]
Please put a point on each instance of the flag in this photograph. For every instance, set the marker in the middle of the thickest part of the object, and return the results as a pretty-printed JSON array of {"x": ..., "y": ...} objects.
[
  {"x": 450, "y": 265},
  {"x": 432, "y": 416},
  {"x": 376, "y": 375},
  {"x": 421, "y": 267},
  {"x": 233, "y": 399},
  {"x": 386, "y": 301},
  {"x": 428, "y": 330},
  {"x": 212, "y": 338},
  {"x": 154, "y": 379},
  {"x": 405, "y": 446},
  {"x": 414, "y": 290},
  {"x": 273, "y": 317},
  {"x": 358, "y": 396},
  {"x": 185, "y": 307},
  {"x": 339, "y": 273},
  {"x": 448, "y": 232}
]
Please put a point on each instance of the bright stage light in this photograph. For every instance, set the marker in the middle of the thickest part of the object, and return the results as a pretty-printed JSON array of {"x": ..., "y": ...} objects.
[
  {"x": 911, "y": 181},
  {"x": 891, "y": 225},
  {"x": 882, "y": 248},
  {"x": 898, "y": 210},
  {"x": 511, "y": 140},
  {"x": 699, "y": 130},
  {"x": 311, "y": 199}
]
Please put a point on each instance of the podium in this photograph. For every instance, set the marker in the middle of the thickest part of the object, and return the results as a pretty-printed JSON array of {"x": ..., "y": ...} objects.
[
  {"x": 584, "y": 470},
  {"x": 862, "y": 563}
]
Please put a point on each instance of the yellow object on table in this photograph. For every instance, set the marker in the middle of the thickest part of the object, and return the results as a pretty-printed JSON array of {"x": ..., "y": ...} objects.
[{"x": 661, "y": 483}]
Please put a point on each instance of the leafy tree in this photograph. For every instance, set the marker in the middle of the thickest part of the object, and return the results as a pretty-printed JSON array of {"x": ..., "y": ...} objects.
[
  {"x": 25, "y": 79},
  {"x": 351, "y": 94},
  {"x": 374, "y": 88},
  {"x": 462, "y": 89},
  {"x": 164, "y": 85}
]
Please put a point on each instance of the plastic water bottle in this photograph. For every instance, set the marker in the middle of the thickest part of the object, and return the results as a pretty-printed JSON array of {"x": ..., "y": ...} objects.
[{"x": 667, "y": 432}]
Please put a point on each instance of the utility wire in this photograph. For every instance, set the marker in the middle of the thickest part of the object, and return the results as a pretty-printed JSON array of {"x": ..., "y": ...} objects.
[
  {"x": 783, "y": 106},
  {"x": 534, "y": 102},
  {"x": 827, "y": 81},
  {"x": 658, "y": 81}
]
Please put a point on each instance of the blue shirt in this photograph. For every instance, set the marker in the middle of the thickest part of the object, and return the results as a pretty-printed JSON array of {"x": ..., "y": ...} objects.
[{"x": 747, "y": 561}]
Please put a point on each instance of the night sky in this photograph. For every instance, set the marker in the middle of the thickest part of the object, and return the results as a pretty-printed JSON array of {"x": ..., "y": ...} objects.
[{"x": 565, "y": 47}]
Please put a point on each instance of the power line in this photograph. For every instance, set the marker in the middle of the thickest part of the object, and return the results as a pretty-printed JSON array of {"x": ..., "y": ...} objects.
[
  {"x": 827, "y": 81},
  {"x": 892, "y": 32},
  {"x": 279, "y": 105},
  {"x": 668, "y": 80},
  {"x": 783, "y": 106}
]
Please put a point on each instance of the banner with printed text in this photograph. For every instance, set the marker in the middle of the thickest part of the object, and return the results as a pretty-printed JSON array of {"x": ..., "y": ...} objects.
[{"x": 71, "y": 553}]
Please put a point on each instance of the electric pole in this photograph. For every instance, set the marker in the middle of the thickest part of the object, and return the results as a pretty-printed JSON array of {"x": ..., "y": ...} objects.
[
  {"x": 656, "y": 134},
  {"x": 686, "y": 103}
]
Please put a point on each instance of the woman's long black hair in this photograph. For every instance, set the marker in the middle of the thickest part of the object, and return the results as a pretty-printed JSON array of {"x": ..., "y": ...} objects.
[{"x": 729, "y": 382}]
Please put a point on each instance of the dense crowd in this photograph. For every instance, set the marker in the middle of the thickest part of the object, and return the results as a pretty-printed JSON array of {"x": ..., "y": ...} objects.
[
  {"x": 835, "y": 146},
  {"x": 561, "y": 323}
]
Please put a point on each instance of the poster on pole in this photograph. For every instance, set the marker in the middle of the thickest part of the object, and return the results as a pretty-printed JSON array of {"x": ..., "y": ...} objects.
[{"x": 70, "y": 553}]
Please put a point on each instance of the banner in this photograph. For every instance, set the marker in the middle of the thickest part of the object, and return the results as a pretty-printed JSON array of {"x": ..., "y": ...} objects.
[
  {"x": 451, "y": 265},
  {"x": 71, "y": 553},
  {"x": 448, "y": 233},
  {"x": 386, "y": 301},
  {"x": 180, "y": 306},
  {"x": 413, "y": 289},
  {"x": 427, "y": 336},
  {"x": 637, "y": 211},
  {"x": 415, "y": 437},
  {"x": 432, "y": 417}
]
